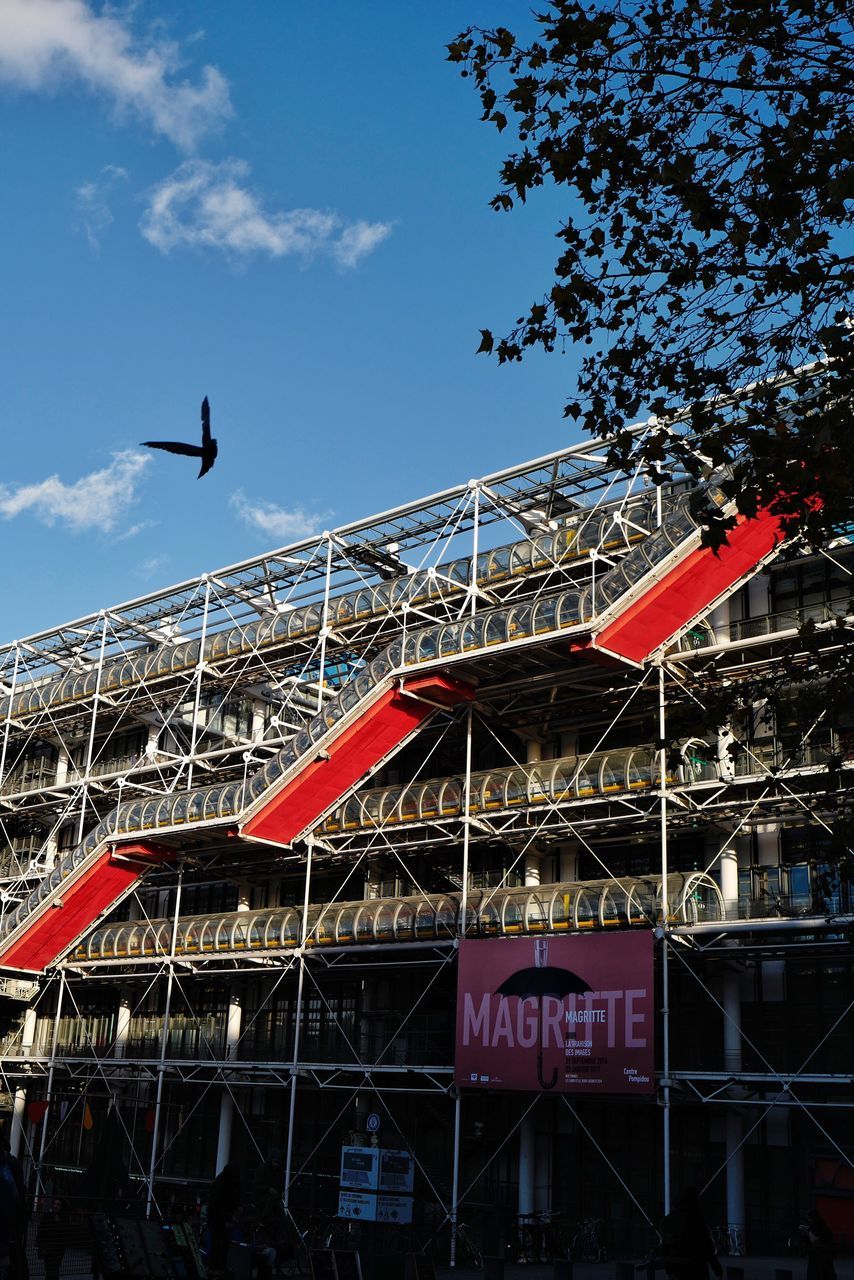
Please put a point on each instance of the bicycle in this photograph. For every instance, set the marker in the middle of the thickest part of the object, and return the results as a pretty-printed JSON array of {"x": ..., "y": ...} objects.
[
  {"x": 587, "y": 1244},
  {"x": 728, "y": 1241},
  {"x": 467, "y": 1254},
  {"x": 540, "y": 1237}
]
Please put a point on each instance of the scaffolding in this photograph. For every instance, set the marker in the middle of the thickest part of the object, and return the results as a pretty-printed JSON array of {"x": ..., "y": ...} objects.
[{"x": 530, "y": 786}]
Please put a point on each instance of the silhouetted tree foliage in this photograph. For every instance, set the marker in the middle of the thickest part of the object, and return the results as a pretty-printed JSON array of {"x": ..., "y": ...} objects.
[{"x": 705, "y": 148}]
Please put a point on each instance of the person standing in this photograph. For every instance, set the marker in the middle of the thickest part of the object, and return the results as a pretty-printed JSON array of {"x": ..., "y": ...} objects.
[
  {"x": 688, "y": 1248},
  {"x": 52, "y": 1239},
  {"x": 820, "y": 1248}
]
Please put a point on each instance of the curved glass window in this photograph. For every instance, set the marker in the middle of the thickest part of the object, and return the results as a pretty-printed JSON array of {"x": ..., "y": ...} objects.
[
  {"x": 545, "y": 617},
  {"x": 585, "y": 909},
  {"x": 419, "y": 587},
  {"x": 490, "y": 793},
  {"x": 425, "y": 920},
  {"x": 612, "y": 772},
  {"x": 516, "y": 789},
  {"x": 344, "y": 925},
  {"x": 541, "y": 551},
  {"x": 342, "y": 610},
  {"x": 498, "y": 564},
  {"x": 471, "y": 635},
  {"x": 560, "y": 910},
  {"x": 450, "y": 639},
  {"x": 536, "y": 913},
  {"x": 563, "y": 545},
  {"x": 351, "y": 815},
  {"x": 520, "y": 557},
  {"x": 589, "y": 533},
  {"x": 428, "y": 801},
  {"x": 427, "y": 642},
  {"x": 404, "y": 922},
  {"x": 458, "y": 571},
  {"x": 363, "y": 605},
  {"x": 519, "y": 622},
  {"x": 384, "y": 917},
  {"x": 495, "y": 631},
  {"x": 363, "y": 924},
  {"x": 489, "y": 917},
  {"x": 450, "y": 798},
  {"x": 610, "y": 586},
  {"x": 512, "y": 917},
  {"x": 179, "y": 810},
  {"x": 586, "y": 779},
  {"x": 568, "y": 611},
  {"x": 639, "y": 771},
  {"x": 446, "y": 918}
]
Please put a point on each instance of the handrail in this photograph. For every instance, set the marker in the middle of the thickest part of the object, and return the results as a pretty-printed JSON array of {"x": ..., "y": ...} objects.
[
  {"x": 549, "y": 908},
  {"x": 427, "y": 646}
]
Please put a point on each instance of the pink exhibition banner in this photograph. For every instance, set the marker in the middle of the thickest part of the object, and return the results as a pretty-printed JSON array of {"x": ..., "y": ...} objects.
[{"x": 571, "y": 1014}]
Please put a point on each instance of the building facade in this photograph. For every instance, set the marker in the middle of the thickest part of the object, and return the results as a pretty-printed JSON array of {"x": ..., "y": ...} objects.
[{"x": 247, "y": 822}]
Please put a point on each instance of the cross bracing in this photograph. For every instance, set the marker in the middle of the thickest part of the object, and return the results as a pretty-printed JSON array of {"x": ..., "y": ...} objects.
[{"x": 544, "y": 719}]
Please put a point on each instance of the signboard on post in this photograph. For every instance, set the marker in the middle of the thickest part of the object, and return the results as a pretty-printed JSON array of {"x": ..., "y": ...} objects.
[
  {"x": 397, "y": 1172},
  {"x": 571, "y": 1014},
  {"x": 359, "y": 1206},
  {"x": 359, "y": 1168},
  {"x": 394, "y": 1208}
]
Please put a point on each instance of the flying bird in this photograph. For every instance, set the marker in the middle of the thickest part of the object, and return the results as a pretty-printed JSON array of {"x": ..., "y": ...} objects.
[{"x": 207, "y": 450}]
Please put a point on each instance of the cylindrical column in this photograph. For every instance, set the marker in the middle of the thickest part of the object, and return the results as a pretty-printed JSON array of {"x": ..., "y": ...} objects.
[
  {"x": 532, "y": 868},
  {"x": 259, "y": 712},
  {"x": 19, "y": 1106},
  {"x": 122, "y": 1026},
  {"x": 233, "y": 1030},
  {"x": 733, "y": 1063},
  {"x": 567, "y": 864},
  {"x": 729, "y": 879},
  {"x": 534, "y": 754},
  {"x": 719, "y": 620},
  {"x": 63, "y": 760},
  {"x": 734, "y": 1182},
  {"x": 527, "y": 1165}
]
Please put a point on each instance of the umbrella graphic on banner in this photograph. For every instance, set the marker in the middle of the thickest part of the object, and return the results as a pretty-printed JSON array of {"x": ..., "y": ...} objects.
[{"x": 535, "y": 983}]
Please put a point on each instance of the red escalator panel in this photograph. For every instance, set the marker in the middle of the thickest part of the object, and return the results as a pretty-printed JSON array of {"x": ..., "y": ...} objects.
[
  {"x": 383, "y": 726},
  {"x": 689, "y": 589},
  {"x": 112, "y": 874}
]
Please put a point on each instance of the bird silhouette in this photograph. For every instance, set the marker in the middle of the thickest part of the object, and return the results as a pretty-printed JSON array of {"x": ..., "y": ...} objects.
[{"x": 207, "y": 450}]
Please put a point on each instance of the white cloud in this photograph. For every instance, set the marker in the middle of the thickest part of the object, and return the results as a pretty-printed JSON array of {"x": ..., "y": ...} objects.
[
  {"x": 207, "y": 206},
  {"x": 359, "y": 239},
  {"x": 97, "y": 501},
  {"x": 47, "y": 43},
  {"x": 93, "y": 202},
  {"x": 152, "y": 566},
  {"x": 279, "y": 523}
]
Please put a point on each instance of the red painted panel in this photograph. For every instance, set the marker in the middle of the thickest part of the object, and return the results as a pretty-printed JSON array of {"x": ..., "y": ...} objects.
[
  {"x": 688, "y": 589},
  {"x": 111, "y": 875},
  {"x": 382, "y": 726}
]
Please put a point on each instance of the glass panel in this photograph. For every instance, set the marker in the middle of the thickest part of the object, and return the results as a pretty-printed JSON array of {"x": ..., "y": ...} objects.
[
  {"x": 545, "y": 616},
  {"x": 450, "y": 801}
]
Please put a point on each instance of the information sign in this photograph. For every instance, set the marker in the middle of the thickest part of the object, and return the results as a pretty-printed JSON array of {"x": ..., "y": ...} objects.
[
  {"x": 360, "y": 1206},
  {"x": 397, "y": 1171},
  {"x": 394, "y": 1208},
  {"x": 359, "y": 1168}
]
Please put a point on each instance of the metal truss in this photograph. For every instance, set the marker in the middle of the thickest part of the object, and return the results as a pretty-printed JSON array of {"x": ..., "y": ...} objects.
[{"x": 282, "y": 684}]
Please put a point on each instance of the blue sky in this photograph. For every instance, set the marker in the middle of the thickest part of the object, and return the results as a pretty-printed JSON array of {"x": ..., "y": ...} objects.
[{"x": 280, "y": 205}]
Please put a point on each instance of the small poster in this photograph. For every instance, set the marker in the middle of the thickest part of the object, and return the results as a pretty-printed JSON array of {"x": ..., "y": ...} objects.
[
  {"x": 394, "y": 1208},
  {"x": 360, "y": 1206},
  {"x": 397, "y": 1172},
  {"x": 359, "y": 1168}
]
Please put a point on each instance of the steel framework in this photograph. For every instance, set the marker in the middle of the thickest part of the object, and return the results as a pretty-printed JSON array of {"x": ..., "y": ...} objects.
[{"x": 179, "y": 720}]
